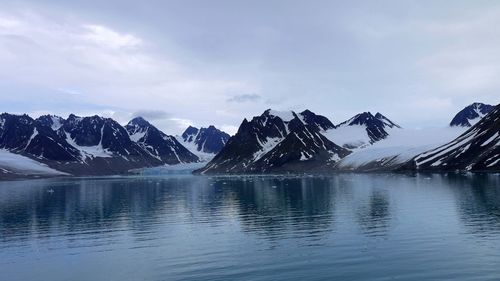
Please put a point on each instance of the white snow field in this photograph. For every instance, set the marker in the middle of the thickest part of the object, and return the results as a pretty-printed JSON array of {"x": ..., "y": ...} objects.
[
  {"x": 349, "y": 136},
  {"x": 400, "y": 146},
  {"x": 18, "y": 164}
]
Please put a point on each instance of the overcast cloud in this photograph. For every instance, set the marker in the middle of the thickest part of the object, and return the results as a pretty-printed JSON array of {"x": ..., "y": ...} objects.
[{"x": 216, "y": 62}]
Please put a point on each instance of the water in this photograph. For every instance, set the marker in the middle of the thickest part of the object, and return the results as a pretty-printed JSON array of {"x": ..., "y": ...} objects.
[{"x": 343, "y": 227}]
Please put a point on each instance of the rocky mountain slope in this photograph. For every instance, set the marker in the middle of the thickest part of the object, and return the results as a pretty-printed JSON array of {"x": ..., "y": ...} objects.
[
  {"x": 204, "y": 142},
  {"x": 159, "y": 145},
  {"x": 471, "y": 114},
  {"x": 278, "y": 142}
]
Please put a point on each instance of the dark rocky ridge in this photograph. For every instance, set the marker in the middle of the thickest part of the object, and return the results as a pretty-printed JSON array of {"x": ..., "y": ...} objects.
[
  {"x": 470, "y": 114},
  {"x": 159, "y": 145},
  {"x": 375, "y": 125},
  {"x": 268, "y": 143},
  {"x": 207, "y": 140}
]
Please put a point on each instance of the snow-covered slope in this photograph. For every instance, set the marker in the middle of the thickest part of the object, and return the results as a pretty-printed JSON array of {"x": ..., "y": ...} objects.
[
  {"x": 398, "y": 148},
  {"x": 476, "y": 149},
  {"x": 350, "y": 137},
  {"x": 15, "y": 164}
]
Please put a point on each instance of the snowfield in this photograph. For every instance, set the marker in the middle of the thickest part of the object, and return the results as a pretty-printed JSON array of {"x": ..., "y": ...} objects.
[
  {"x": 18, "y": 164},
  {"x": 348, "y": 136},
  {"x": 400, "y": 146}
]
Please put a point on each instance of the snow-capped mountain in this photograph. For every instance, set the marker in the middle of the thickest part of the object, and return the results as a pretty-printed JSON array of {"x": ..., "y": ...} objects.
[
  {"x": 320, "y": 122},
  {"x": 88, "y": 145},
  {"x": 96, "y": 136},
  {"x": 159, "y": 145},
  {"x": 205, "y": 142},
  {"x": 477, "y": 149},
  {"x": 278, "y": 141},
  {"x": 471, "y": 114},
  {"x": 361, "y": 130},
  {"x": 23, "y": 135}
]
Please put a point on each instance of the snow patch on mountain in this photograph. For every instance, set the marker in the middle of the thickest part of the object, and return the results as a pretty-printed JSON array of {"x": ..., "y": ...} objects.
[
  {"x": 89, "y": 151},
  {"x": 286, "y": 116},
  {"x": 136, "y": 136},
  {"x": 56, "y": 123},
  {"x": 266, "y": 146}
]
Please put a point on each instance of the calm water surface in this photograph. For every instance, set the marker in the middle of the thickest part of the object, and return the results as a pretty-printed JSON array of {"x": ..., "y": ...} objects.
[{"x": 343, "y": 227}]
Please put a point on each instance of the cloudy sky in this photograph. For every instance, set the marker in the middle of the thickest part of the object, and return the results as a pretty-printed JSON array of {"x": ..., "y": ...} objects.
[{"x": 215, "y": 62}]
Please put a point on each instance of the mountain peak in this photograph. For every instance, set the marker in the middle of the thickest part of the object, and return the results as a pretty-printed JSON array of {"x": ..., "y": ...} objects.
[
  {"x": 319, "y": 121},
  {"x": 53, "y": 121},
  {"x": 204, "y": 140},
  {"x": 471, "y": 114},
  {"x": 362, "y": 129},
  {"x": 364, "y": 118},
  {"x": 189, "y": 133},
  {"x": 139, "y": 121}
]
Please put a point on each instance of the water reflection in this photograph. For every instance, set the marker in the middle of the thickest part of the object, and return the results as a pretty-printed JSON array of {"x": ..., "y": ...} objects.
[
  {"x": 263, "y": 205},
  {"x": 375, "y": 216},
  {"x": 195, "y": 227},
  {"x": 478, "y": 200}
]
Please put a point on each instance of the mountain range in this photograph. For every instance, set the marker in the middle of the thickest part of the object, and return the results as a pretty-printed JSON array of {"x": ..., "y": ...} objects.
[
  {"x": 296, "y": 142},
  {"x": 90, "y": 145},
  {"x": 273, "y": 142}
]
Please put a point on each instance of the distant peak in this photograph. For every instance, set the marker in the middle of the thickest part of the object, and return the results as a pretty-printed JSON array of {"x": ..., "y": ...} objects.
[
  {"x": 366, "y": 113},
  {"x": 139, "y": 121},
  {"x": 470, "y": 114},
  {"x": 190, "y": 130},
  {"x": 363, "y": 116},
  {"x": 477, "y": 104}
]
